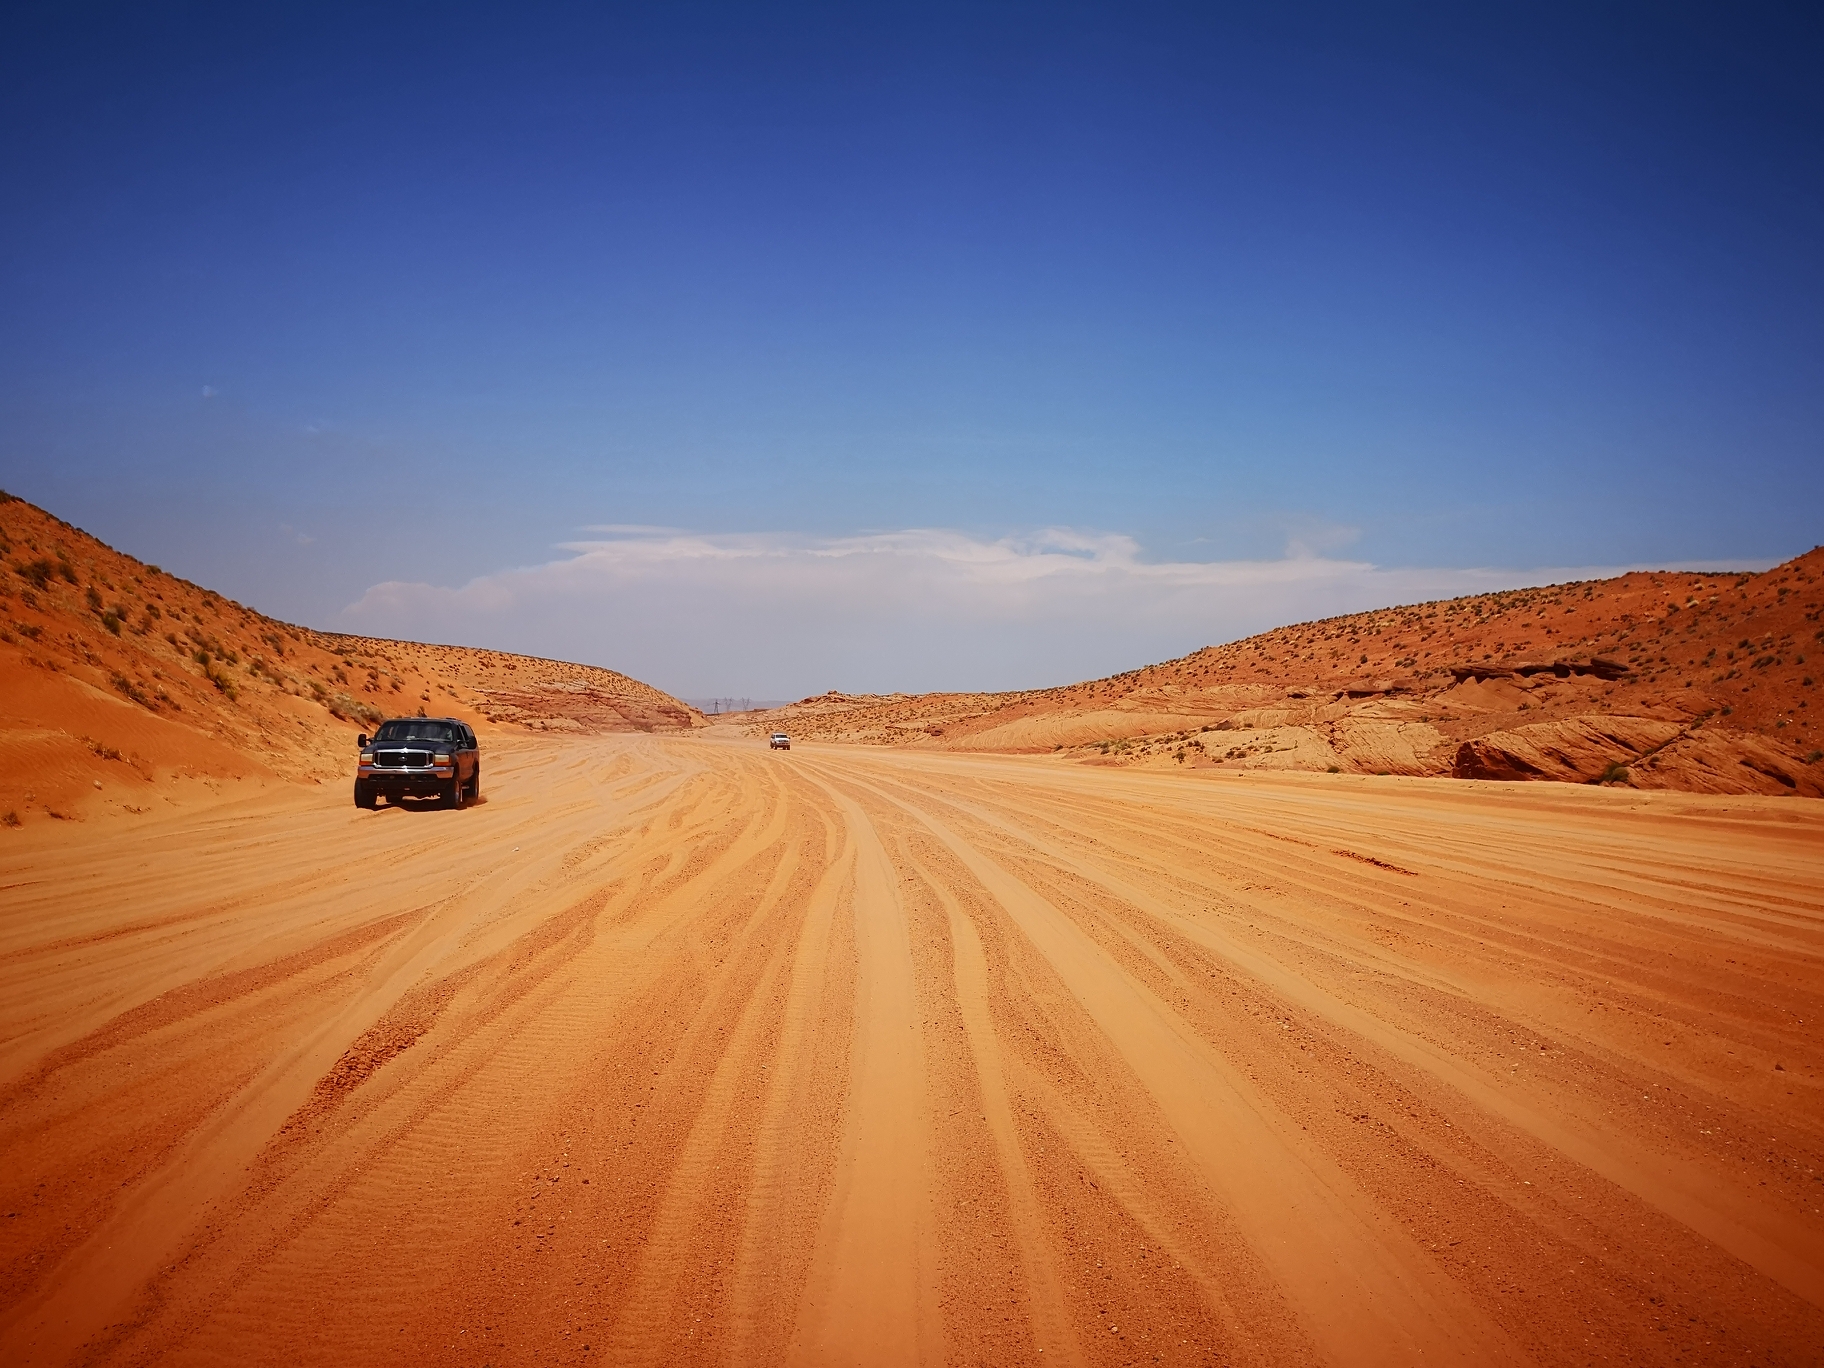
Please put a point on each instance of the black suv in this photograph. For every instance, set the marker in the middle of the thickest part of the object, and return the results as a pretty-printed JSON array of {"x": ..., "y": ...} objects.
[{"x": 419, "y": 757}]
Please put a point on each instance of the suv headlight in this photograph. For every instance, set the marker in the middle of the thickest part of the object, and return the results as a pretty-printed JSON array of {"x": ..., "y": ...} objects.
[{"x": 440, "y": 759}]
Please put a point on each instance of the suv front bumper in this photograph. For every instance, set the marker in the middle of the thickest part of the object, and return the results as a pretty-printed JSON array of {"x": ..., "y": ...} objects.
[{"x": 406, "y": 783}]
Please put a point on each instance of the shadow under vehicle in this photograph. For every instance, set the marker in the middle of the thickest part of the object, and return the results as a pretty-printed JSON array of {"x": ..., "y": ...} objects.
[{"x": 419, "y": 757}]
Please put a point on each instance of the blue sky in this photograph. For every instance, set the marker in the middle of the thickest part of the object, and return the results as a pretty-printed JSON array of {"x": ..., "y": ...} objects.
[{"x": 352, "y": 314}]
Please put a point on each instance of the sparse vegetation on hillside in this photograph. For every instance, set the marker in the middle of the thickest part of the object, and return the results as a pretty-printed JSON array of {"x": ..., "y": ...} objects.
[
  {"x": 77, "y": 615},
  {"x": 1470, "y": 686}
]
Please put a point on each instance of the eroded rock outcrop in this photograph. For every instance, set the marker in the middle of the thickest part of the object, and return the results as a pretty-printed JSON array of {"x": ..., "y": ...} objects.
[
  {"x": 1574, "y": 750},
  {"x": 1644, "y": 752},
  {"x": 1713, "y": 761},
  {"x": 1375, "y": 746}
]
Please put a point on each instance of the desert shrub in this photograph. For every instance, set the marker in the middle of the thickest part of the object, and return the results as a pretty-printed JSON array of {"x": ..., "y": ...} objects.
[
  {"x": 111, "y": 620},
  {"x": 37, "y": 572},
  {"x": 65, "y": 569},
  {"x": 128, "y": 689},
  {"x": 1616, "y": 773},
  {"x": 11, "y": 819},
  {"x": 1814, "y": 757},
  {"x": 352, "y": 710},
  {"x": 30, "y": 630},
  {"x": 94, "y": 598}
]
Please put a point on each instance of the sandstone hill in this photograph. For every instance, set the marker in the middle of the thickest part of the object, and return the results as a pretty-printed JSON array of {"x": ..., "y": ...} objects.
[
  {"x": 1656, "y": 680},
  {"x": 114, "y": 673}
]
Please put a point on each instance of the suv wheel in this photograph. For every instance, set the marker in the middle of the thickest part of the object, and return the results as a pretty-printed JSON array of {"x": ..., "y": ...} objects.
[
  {"x": 364, "y": 795},
  {"x": 453, "y": 798},
  {"x": 475, "y": 785}
]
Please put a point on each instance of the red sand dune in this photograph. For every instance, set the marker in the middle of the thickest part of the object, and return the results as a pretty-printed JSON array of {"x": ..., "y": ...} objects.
[
  {"x": 1652, "y": 680},
  {"x": 121, "y": 685}
]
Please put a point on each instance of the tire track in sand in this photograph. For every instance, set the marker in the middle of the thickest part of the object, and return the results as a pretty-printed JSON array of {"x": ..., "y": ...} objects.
[
  {"x": 871, "y": 1297},
  {"x": 200, "y": 1180},
  {"x": 1051, "y": 1321},
  {"x": 1366, "y": 1293},
  {"x": 641, "y": 1054},
  {"x": 1670, "y": 1186},
  {"x": 671, "y": 1257}
]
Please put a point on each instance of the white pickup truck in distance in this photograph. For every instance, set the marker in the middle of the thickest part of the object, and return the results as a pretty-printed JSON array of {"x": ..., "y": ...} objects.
[{"x": 779, "y": 741}]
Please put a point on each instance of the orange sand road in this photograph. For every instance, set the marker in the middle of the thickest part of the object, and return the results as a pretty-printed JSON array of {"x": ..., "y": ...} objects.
[{"x": 678, "y": 1050}]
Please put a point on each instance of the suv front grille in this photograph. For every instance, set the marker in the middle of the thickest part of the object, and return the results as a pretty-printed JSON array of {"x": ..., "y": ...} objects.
[{"x": 402, "y": 759}]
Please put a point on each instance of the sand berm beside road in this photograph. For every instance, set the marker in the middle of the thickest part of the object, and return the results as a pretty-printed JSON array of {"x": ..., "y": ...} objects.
[{"x": 675, "y": 1050}]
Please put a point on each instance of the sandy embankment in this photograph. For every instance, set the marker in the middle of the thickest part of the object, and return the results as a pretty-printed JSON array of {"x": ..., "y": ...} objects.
[
  {"x": 675, "y": 1050},
  {"x": 124, "y": 689},
  {"x": 1653, "y": 680}
]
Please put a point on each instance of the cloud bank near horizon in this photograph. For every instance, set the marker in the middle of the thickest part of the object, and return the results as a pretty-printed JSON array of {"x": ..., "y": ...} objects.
[{"x": 784, "y": 616}]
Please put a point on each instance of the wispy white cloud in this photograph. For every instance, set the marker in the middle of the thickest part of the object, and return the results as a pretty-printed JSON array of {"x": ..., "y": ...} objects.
[{"x": 778, "y": 615}]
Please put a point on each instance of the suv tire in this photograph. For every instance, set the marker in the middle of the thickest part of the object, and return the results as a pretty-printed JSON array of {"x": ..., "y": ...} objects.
[
  {"x": 364, "y": 795},
  {"x": 453, "y": 798},
  {"x": 475, "y": 785}
]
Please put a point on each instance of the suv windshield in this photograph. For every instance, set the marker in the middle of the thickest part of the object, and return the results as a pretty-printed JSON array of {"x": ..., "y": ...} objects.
[{"x": 415, "y": 731}]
